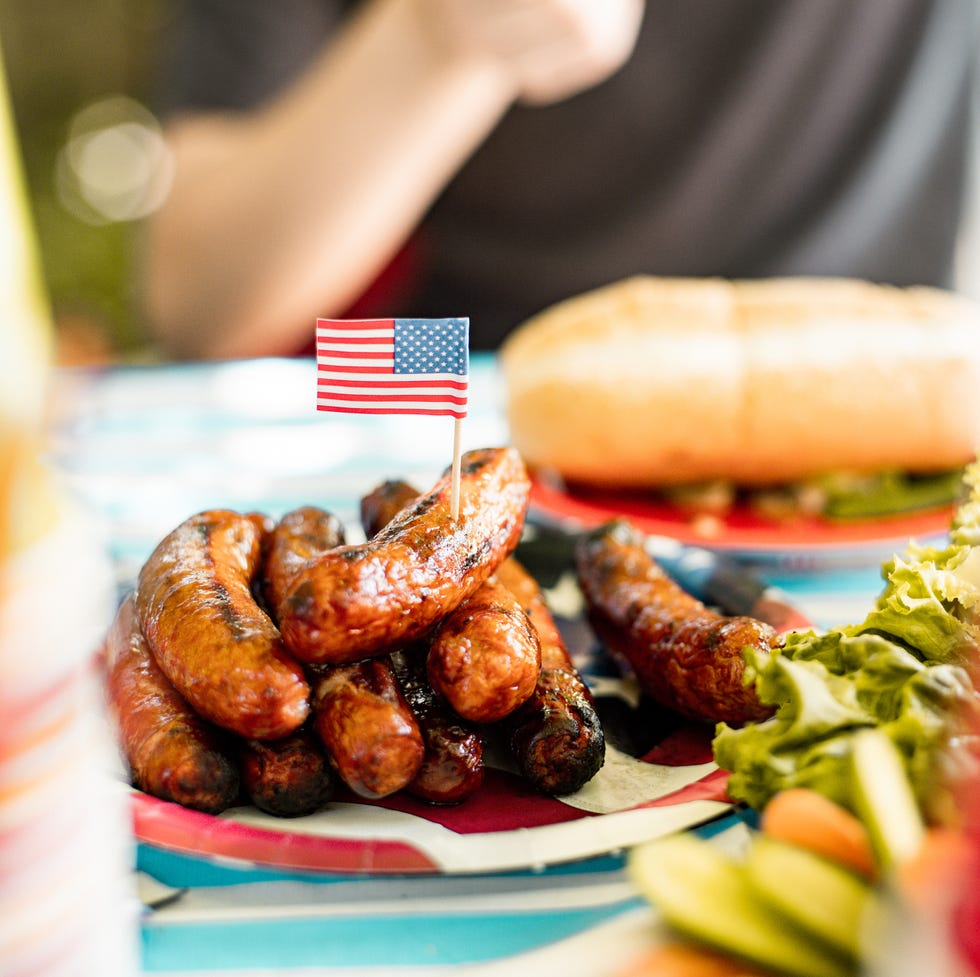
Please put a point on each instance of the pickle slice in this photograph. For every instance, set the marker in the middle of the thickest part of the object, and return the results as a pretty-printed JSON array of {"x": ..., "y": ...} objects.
[
  {"x": 884, "y": 799},
  {"x": 706, "y": 895},
  {"x": 823, "y": 898}
]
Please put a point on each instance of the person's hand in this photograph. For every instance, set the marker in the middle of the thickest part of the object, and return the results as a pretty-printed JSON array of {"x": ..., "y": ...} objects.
[{"x": 550, "y": 48}]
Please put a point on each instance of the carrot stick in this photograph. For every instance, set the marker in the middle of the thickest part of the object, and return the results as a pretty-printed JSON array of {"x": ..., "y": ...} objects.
[
  {"x": 683, "y": 960},
  {"x": 805, "y": 817}
]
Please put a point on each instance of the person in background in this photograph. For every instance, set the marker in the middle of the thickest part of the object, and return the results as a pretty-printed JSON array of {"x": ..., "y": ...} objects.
[{"x": 487, "y": 158}]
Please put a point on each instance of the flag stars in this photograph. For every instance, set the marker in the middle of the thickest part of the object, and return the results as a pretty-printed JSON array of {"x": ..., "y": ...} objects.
[
  {"x": 431, "y": 346},
  {"x": 393, "y": 366}
]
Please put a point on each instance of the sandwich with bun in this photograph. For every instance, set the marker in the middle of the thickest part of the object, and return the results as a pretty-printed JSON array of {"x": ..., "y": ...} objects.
[{"x": 828, "y": 389}]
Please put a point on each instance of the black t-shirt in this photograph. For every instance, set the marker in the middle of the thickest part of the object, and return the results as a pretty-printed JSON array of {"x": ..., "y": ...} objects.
[{"x": 744, "y": 138}]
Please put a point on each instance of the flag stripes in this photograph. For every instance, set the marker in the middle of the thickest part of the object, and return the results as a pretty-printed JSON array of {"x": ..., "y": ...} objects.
[{"x": 393, "y": 366}]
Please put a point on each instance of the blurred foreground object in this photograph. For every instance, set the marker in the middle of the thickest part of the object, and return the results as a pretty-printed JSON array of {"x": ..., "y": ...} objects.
[
  {"x": 63, "y": 860},
  {"x": 663, "y": 381}
]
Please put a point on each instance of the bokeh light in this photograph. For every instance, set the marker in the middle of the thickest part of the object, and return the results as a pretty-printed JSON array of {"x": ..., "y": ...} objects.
[{"x": 114, "y": 165}]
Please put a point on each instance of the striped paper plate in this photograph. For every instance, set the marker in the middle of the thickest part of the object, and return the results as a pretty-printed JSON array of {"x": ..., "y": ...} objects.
[{"x": 505, "y": 827}]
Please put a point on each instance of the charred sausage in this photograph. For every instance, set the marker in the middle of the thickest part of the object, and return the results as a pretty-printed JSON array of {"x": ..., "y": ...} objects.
[
  {"x": 357, "y": 601},
  {"x": 359, "y": 713},
  {"x": 298, "y": 537},
  {"x": 684, "y": 655},
  {"x": 453, "y": 767},
  {"x": 171, "y": 751},
  {"x": 289, "y": 777},
  {"x": 555, "y": 737},
  {"x": 524, "y": 587},
  {"x": 485, "y": 657},
  {"x": 383, "y": 503}
]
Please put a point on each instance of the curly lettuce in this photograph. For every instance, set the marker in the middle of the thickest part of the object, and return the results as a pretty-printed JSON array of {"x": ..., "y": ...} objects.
[
  {"x": 931, "y": 602},
  {"x": 905, "y": 669}
]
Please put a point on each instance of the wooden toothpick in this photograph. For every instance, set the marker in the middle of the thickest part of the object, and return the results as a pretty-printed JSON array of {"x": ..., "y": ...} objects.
[{"x": 454, "y": 496}]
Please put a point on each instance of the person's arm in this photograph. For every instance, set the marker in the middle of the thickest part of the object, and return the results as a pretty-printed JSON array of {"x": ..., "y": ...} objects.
[{"x": 277, "y": 217}]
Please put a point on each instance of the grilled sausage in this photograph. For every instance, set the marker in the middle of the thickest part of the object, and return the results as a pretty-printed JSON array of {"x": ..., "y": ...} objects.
[
  {"x": 684, "y": 655},
  {"x": 453, "y": 766},
  {"x": 524, "y": 587},
  {"x": 219, "y": 649},
  {"x": 362, "y": 600},
  {"x": 365, "y": 723},
  {"x": 555, "y": 737},
  {"x": 171, "y": 751},
  {"x": 288, "y": 778},
  {"x": 359, "y": 714},
  {"x": 485, "y": 657},
  {"x": 298, "y": 537},
  {"x": 383, "y": 503}
]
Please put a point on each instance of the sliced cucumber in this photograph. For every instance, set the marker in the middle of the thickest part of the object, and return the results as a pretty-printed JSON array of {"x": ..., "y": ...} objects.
[
  {"x": 705, "y": 894},
  {"x": 884, "y": 799},
  {"x": 821, "y": 897}
]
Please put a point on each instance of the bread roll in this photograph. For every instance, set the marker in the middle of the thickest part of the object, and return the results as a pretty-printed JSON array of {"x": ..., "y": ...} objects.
[{"x": 653, "y": 381}]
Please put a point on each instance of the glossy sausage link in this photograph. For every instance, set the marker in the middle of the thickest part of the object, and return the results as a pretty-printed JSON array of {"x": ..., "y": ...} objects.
[
  {"x": 556, "y": 737},
  {"x": 362, "y": 600},
  {"x": 300, "y": 536},
  {"x": 684, "y": 655},
  {"x": 216, "y": 645},
  {"x": 171, "y": 751},
  {"x": 360, "y": 714},
  {"x": 384, "y": 502},
  {"x": 485, "y": 657},
  {"x": 453, "y": 767}
]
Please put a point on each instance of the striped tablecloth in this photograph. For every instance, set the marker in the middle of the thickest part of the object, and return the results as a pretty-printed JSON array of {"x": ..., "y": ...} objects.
[{"x": 143, "y": 447}]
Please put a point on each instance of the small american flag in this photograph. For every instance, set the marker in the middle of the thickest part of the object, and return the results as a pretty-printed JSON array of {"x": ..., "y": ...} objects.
[{"x": 392, "y": 366}]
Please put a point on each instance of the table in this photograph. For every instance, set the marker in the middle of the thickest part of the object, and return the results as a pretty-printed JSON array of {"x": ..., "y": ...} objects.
[{"x": 141, "y": 447}]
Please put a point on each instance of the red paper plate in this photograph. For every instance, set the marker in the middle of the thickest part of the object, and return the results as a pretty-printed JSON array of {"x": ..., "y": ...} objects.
[
  {"x": 505, "y": 827},
  {"x": 743, "y": 531}
]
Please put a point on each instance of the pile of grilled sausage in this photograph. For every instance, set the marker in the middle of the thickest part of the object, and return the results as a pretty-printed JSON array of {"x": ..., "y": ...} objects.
[{"x": 270, "y": 662}]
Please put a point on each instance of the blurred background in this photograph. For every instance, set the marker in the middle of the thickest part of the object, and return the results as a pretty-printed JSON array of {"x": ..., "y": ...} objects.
[
  {"x": 81, "y": 81},
  {"x": 80, "y": 77}
]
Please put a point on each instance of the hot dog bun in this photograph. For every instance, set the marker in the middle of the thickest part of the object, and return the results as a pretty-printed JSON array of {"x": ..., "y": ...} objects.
[{"x": 657, "y": 381}]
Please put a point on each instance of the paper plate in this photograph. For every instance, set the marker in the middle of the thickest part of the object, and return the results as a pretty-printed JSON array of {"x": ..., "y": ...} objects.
[
  {"x": 503, "y": 827},
  {"x": 805, "y": 543}
]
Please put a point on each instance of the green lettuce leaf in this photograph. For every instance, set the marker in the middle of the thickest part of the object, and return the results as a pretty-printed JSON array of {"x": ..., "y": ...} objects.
[
  {"x": 931, "y": 602},
  {"x": 965, "y": 528},
  {"x": 904, "y": 669},
  {"x": 864, "y": 496}
]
